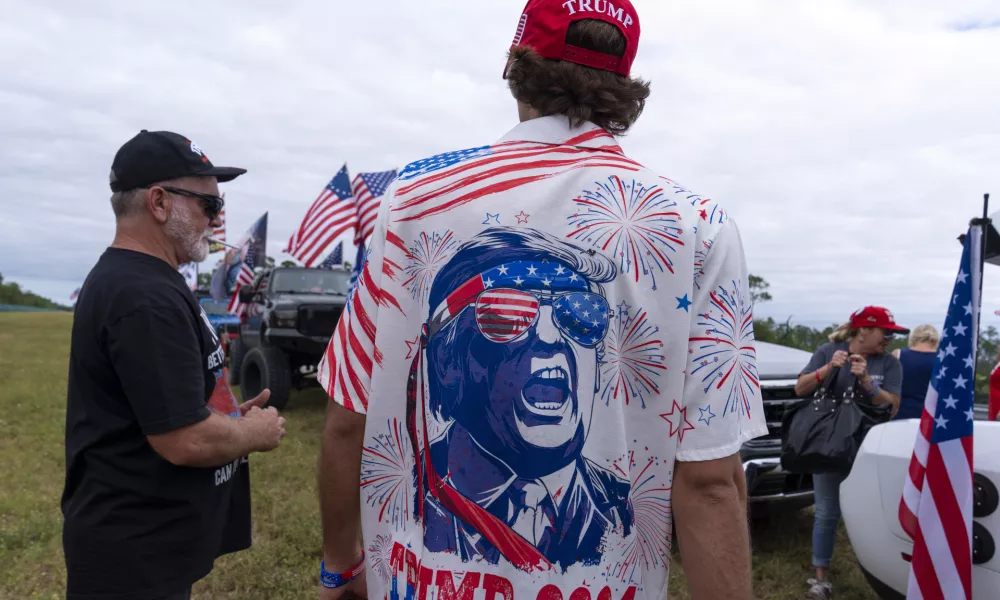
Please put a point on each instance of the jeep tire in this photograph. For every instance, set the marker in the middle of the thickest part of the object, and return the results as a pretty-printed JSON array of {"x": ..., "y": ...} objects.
[
  {"x": 236, "y": 353},
  {"x": 266, "y": 368}
]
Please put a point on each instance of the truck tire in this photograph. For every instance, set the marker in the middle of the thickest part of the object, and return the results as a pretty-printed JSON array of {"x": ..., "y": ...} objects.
[
  {"x": 236, "y": 353},
  {"x": 266, "y": 368}
]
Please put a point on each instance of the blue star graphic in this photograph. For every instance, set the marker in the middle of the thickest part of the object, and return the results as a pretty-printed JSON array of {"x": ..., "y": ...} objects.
[
  {"x": 683, "y": 303},
  {"x": 489, "y": 217},
  {"x": 711, "y": 415}
]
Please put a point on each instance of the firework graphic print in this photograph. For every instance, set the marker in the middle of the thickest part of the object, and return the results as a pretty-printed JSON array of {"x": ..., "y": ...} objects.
[
  {"x": 723, "y": 351},
  {"x": 637, "y": 224},
  {"x": 427, "y": 254},
  {"x": 380, "y": 553},
  {"x": 649, "y": 544},
  {"x": 633, "y": 358},
  {"x": 387, "y": 474}
]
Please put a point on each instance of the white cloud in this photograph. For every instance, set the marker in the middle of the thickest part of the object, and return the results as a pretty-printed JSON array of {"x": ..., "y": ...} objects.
[{"x": 852, "y": 140}]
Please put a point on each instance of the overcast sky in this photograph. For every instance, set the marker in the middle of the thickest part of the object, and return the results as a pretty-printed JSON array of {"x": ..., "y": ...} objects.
[{"x": 851, "y": 140}]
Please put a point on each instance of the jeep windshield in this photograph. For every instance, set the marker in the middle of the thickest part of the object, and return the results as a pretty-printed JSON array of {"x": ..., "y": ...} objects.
[
  {"x": 311, "y": 281},
  {"x": 215, "y": 308}
]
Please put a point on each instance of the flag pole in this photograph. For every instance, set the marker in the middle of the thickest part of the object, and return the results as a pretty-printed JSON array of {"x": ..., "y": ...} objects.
[{"x": 984, "y": 224}]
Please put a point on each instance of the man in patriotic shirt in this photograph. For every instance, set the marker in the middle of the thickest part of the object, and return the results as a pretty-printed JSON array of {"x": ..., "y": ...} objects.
[{"x": 548, "y": 362}]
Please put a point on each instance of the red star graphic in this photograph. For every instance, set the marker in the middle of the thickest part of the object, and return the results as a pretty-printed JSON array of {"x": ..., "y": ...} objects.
[
  {"x": 411, "y": 346},
  {"x": 704, "y": 214},
  {"x": 522, "y": 218},
  {"x": 679, "y": 415}
]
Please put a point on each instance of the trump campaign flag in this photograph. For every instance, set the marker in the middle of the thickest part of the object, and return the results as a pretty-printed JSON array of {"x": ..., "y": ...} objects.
[
  {"x": 936, "y": 508},
  {"x": 252, "y": 254}
]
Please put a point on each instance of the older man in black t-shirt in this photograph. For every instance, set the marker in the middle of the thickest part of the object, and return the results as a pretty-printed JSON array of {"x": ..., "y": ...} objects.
[{"x": 157, "y": 480}]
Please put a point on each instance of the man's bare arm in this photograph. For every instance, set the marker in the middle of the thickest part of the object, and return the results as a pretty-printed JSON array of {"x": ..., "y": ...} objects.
[
  {"x": 218, "y": 439},
  {"x": 339, "y": 479},
  {"x": 709, "y": 504}
]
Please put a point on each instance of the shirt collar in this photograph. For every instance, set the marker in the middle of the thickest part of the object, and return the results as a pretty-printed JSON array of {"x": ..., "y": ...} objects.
[{"x": 555, "y": 130}]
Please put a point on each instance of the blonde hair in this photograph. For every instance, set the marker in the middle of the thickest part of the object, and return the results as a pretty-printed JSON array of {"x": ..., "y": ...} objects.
[
  {"x": 844, "y": 333},
  {"x": 924, "y": 334}
]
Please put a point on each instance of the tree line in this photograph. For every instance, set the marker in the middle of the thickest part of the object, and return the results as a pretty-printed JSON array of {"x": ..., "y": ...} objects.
[
  {"x": 11, "y": 293},
  {"x": 809, "y": 338}
]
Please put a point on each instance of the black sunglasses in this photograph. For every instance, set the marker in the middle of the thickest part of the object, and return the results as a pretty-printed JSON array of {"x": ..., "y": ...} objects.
[{"x": 212, "y": 205}]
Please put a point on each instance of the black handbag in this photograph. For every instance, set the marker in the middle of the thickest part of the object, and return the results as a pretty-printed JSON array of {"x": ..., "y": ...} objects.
[{"x": 822, "y": 434}]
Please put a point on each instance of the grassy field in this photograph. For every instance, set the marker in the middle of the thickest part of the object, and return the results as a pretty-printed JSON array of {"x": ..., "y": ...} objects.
[{"x": 283, "y": 563}]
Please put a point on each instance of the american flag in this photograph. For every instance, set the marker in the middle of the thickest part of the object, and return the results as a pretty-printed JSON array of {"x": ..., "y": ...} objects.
[
  {"x": 75, "y": 294},
  {"x": 244, "y": 277},
  {"x": 336, "y": 258},
  {"x": 936, "y": 508},
  {"x": 368, "y": 189},
  {"x": 331, "y": 214},
  {"x": 219, "y": 233},
  {"x": 441, "y": 183}
]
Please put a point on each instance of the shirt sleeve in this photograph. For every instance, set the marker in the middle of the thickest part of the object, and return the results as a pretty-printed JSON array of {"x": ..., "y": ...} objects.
[
  {"x": 892, "y": 379},
  {"x": 157, "y": 355},
  {"x": 345, "y": 371},
  {"x": 819, "y": 358},
  {"x": 722, "y": 405}
]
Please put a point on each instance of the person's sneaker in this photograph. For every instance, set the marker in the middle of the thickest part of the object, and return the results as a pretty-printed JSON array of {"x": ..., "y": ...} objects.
[{"x": 819, "y": 590}]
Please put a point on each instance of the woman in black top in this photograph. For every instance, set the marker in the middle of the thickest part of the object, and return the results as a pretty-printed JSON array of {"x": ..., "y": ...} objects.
[{"x": 859, "y": 349}]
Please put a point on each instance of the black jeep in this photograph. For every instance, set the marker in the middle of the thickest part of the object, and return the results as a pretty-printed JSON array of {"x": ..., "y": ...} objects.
[{"x": 291, "y": 313}]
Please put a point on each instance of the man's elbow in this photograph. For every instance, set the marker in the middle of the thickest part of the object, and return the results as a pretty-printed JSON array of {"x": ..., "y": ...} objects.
[
  {"x": 343, "y": 424},
  {"x": 179, "y": 453},
  {"x": 183, "y": 447},
  {"x": 714, "y": 481}
]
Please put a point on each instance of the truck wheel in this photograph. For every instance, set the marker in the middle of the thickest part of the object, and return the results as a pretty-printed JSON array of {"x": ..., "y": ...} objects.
[
  {"x": 266, "y": 368},
  {"x": 236, "y": 352}
]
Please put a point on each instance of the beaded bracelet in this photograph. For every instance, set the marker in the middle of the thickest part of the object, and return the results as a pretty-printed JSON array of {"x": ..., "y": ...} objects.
[{"x": 336, "y": 580}]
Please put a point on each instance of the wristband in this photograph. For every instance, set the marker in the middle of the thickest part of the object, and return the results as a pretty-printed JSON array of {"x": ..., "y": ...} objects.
[
  {"x": 818, "y": 379},
  {"x": 336, "y": 580},
  {"x": 874, "y": 391}
]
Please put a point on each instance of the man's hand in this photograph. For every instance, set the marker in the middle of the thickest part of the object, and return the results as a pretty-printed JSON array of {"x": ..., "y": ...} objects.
[
  {"x": 266, "y": 428},
  {"x": 839, "y": 359},
  {"x": 259, "y": 402},
  {"x": 357, "y": 588}
]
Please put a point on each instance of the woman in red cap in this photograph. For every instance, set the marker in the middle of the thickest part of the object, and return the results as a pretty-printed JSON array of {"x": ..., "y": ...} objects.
[{"x": 857, "y": 350}]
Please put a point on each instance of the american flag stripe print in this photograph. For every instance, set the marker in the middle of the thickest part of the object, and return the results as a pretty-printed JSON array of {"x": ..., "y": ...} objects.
[
  {"x": 345, "y": 371},
  {"x": 331, "y": 214},
  {"x": 504, "y": 315},
  {"x": 936, "y": 507},
  {"x": 368, "y": 190},
  {"x": 501, "y": 168}
]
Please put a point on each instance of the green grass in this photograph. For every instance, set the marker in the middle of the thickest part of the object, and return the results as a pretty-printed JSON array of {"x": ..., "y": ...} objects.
[{"x": 283, "y": 563}]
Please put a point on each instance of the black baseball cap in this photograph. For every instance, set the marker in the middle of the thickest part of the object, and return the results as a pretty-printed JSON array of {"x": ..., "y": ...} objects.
[{"x": 153, "y": 156}]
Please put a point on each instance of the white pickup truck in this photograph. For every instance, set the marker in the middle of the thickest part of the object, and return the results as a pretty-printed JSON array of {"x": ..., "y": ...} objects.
[{"x": 869, "y": 501}]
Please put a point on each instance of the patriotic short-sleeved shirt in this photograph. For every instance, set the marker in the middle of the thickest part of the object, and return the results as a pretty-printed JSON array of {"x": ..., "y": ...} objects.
[{"x": 542, "y": 327}]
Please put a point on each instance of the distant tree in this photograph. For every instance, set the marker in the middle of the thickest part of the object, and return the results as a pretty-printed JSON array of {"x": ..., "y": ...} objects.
[
  {"x": 758, "y": 289},
  {"x": 289, "y": 263},
  {"x": 269, "y": 262},
  {"x": 989, "y": 344},
  {"x": 204, "y": 280}
]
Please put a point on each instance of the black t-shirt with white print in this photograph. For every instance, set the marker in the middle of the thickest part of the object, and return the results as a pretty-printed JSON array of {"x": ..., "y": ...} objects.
[{"x": 144, "y": 360}]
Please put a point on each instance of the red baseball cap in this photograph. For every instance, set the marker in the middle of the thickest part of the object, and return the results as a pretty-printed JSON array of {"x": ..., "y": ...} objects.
[
  {"x": 876, "y": 316},
  {"x": 544, "y": 25}
]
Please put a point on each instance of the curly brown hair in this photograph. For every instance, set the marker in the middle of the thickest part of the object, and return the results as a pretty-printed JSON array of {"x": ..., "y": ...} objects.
[{"x": 557, "y": 87}]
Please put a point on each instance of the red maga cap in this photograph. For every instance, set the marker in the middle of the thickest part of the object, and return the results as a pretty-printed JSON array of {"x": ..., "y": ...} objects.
[
  {"x": 544, "y": 25},
  {"x": 876, "y": 316}
]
